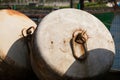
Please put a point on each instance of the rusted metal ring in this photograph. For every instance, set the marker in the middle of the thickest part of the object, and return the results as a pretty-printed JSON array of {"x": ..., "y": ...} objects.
[
  {"x": 79, "y": 45},
  {"x": 28, "y": 36},
  {"x": 29, "y": 31}
]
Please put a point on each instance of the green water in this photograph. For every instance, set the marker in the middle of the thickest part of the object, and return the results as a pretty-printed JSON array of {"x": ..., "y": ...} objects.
[{"x": 106, "y": 18}]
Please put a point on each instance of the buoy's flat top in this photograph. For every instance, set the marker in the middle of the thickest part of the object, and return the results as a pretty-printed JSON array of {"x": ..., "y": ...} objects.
[{"x": 53, "y": 37}]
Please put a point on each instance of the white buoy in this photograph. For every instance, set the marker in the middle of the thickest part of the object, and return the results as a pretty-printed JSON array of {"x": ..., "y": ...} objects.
[
  {"x": 71, "y": 43},
  {"x": 14, "y": 53}
]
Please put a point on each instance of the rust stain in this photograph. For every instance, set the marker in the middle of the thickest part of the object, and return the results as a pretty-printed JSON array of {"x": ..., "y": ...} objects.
[
  {"x": 82, "y": 50},
  {"x": 51, "y": 46},
  {"x": 64, "y": 41},
  {"x": 64, "y": 50},
  {"x": 51, "y": 42},
  {"x": 13, "y": 12},
  {"x": 82, "y": 32}
]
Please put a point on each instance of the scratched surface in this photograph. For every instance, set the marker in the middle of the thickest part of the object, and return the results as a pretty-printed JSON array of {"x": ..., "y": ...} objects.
[{"x": 115, "y": 31}]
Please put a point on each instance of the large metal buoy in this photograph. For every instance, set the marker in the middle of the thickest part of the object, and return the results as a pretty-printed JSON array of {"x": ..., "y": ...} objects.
[
  {"x": 14, "y": 53},
  {"x": 71, "y": 44}
]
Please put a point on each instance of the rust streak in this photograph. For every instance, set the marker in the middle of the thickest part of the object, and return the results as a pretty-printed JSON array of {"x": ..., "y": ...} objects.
[
  {"x": 82, "y": 50},
  {"x": 13, "y": 12},
  {"x": 51, "y": 42}
]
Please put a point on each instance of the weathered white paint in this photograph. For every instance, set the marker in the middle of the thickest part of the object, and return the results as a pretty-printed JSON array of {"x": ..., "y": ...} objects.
[
  {"x": 52, "y": 45},
  {"x": 13, "y": 49}
]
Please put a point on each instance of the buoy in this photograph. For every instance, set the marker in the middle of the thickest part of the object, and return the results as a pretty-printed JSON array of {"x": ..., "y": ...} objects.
[
  {"x": 14, "y": 54},
  {"x": 71, "y": 44}
]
